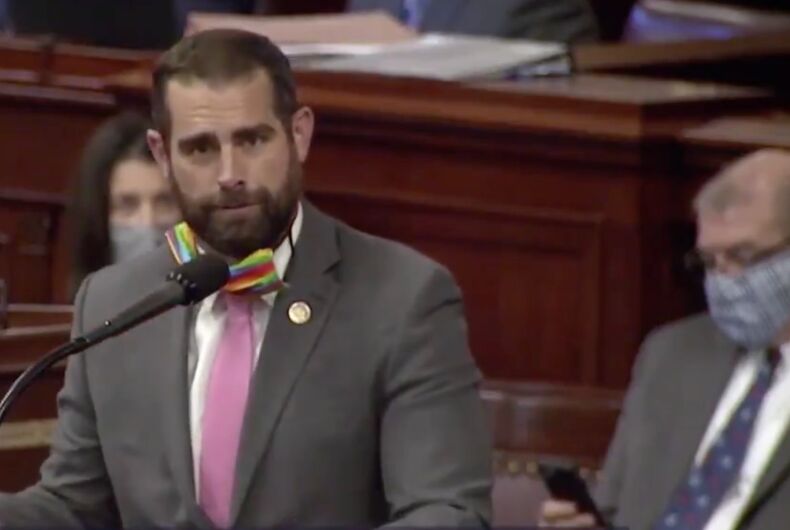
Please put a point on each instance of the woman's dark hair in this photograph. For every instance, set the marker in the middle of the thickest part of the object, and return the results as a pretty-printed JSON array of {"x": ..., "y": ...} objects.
[{"x": 118, "y": 139}]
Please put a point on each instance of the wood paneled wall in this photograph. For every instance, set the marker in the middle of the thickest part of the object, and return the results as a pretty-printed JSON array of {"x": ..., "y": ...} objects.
[{"x": 558, "y": 204}]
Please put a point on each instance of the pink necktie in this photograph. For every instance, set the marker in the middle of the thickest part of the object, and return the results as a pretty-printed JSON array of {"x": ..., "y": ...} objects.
[{"x": 223, "y": 413}]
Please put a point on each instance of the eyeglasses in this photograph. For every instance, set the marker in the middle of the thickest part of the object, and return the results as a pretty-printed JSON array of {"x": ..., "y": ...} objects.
[{"x": 741, "y": 257}]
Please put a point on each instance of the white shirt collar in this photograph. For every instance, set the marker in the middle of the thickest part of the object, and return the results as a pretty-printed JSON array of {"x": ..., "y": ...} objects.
[{"x": 283, "y": 253}]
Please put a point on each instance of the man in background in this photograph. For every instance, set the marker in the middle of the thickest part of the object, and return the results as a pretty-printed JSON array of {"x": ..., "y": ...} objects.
[
  {"x": 545, "y": 20},
  {"x": 156, "y": 24},
  {"x": 702, "y": 442},
  {"x": 328, "y": 384}
]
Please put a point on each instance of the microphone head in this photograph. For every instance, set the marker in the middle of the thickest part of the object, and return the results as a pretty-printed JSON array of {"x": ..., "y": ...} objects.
[{"x": 200, "y": 277}]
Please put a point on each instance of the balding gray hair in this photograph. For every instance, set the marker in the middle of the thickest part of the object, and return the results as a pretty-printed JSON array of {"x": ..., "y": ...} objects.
[{"x": 734, "y": 185}]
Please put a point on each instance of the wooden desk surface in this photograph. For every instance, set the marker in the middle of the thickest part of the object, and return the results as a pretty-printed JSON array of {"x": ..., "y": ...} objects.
[
  {"x": 622, "y": 56},
  {"x": 603, "y": 106},
  {"x": 41, "y": 61},
  {"x": 754, "y": 60},
  {"x": 709, "y": 146},
  {"x": 745, "y": 132}
]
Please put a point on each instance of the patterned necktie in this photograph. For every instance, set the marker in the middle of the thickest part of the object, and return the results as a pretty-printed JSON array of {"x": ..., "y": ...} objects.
[
  {"x": 254, "y": 274},
  {"x": 700, "y": 494},
  {"x": 223, "y": 412},
  {"x": 412, "y": 12}
]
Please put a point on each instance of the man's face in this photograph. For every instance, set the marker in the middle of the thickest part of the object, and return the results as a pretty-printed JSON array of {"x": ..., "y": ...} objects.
[
  {"x": 235, "y": 169},
  {"x": 741, "y": 235}
]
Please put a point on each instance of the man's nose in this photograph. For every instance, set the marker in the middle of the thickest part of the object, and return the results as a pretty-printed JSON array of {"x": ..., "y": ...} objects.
[{"x": 229, "y": 177}]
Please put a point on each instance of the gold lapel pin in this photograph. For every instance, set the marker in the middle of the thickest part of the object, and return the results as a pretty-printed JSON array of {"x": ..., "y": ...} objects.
[{"x": 299, "y": 313}]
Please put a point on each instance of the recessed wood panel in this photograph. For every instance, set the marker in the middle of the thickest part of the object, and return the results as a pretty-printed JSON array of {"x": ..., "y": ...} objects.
[{"x": 530, "y": 279}]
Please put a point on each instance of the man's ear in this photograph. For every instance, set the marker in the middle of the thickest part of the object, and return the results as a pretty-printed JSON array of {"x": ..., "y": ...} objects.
[
  {"x": 156, "y": 143},
  {"x": 302, "y": 130}
]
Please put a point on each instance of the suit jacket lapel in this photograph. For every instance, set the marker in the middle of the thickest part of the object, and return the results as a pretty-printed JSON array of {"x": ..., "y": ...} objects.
[
  {"x": 287, "y": 346},
  {"x": 703, "y": 382},
  {"x": 174, "y": 328}
]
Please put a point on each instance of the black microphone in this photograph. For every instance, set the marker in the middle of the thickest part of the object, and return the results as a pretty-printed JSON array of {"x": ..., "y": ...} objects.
[{"x": 187, "y": 284}]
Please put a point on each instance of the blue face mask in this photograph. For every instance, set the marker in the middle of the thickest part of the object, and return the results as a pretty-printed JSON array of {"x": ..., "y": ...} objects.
[
  {"x": 129, "y": 241},
  {"x": 753, "y": 307}
]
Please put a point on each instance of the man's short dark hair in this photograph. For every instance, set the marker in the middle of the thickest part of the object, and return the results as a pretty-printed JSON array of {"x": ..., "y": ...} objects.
[{"x": 218, "y": 56}]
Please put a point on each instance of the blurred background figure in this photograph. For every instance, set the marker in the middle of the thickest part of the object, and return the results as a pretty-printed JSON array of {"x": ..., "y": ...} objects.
[
  {"x": 702, "y": 443},
  {"x": 122, "y": 202},
  {"x": 156, "y": 24},
  {"x": 546, "y": 20},
  {"x": 679, "y": 20}
]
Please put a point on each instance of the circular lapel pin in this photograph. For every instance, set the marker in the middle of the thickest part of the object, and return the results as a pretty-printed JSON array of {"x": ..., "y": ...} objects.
[{"x": 299, "y": 313}]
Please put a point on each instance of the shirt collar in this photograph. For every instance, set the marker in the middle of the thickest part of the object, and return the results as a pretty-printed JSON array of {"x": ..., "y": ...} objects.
[{"x": 283, "y": 253}]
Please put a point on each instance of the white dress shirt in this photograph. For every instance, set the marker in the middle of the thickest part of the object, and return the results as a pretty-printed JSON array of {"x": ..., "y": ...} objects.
[
  {"x": 769, "y": 429},
  {"x": 204, "y": 338}
]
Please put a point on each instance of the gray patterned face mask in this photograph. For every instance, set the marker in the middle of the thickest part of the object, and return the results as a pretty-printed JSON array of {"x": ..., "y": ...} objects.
[
  {"x": 753, "y": 307},
  {"x": 129, "y": 241}
]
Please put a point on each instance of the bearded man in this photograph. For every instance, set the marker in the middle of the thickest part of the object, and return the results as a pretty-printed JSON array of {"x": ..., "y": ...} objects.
[{"x": 329, "y": 383}]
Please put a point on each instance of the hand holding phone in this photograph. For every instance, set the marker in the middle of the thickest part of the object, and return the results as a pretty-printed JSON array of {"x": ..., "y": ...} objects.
[{"x": 565, "y": 484}]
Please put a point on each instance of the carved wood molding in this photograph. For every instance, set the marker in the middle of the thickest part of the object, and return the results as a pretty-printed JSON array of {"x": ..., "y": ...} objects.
[{"x": 455, "y": 232}]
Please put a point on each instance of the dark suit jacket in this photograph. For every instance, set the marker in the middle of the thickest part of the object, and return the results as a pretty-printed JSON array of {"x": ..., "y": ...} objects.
[
  {"x": 680, "y": 374},
  {"x": 367, "y": 414},
  {"x": 547, "y": 20}
]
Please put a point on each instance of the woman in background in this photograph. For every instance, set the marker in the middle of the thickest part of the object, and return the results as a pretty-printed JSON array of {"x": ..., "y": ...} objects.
[{"x": 122, "y": 202}]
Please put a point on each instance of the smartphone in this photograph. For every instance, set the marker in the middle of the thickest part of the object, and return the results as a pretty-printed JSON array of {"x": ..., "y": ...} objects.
[{"x": 565, "y": 483}]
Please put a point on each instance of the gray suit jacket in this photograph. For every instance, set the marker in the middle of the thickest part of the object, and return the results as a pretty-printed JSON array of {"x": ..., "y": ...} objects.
[
  {"x": 680, "y": 374},
  {"x": 367, "y": 414},
  {"x": 547, "y": 20}
]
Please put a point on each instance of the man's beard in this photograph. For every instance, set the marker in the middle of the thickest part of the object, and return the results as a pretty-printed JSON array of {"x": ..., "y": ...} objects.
[{"x": 238, "y": 238}]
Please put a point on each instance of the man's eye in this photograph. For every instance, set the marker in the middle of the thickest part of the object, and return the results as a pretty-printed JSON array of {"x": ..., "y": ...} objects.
[
  {"x": 200, "y": 148},
  {"x": 251, "y": 141}
]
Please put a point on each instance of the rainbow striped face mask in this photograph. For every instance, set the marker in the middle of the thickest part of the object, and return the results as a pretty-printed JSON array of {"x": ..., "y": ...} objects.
[{"x": 254, "y": 274}]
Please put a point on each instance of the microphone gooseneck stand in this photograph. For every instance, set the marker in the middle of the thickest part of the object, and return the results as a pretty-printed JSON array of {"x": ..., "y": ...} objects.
[{"x": 187, "y": 284}]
